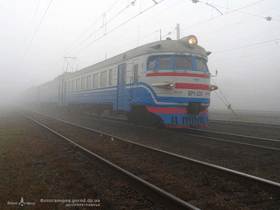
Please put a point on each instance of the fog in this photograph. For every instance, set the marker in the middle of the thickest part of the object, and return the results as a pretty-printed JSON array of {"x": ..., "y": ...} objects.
[{"x": 245, "y": 45}]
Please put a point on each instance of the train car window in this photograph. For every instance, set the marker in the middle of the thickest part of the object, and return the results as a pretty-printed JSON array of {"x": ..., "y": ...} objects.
[
  {"x": 200, "y": 64},
  {"x": 74, "y": 85},
  {"x": 110, "y": 77},
  {"x": 95, "y": 81},
  {"x": 103, "y": 79},
  {"x": 182, "y": 62},
  {"x": 89, "y": 82},
  {"x": 152, "y": 62},
  {"x": 164, "y": 62},
  {"x": 78, "y": 84},
  {"x": 69, "y": 86},
  {"x": 135, "y": 76},
  {"x": 83, "y": 83}
]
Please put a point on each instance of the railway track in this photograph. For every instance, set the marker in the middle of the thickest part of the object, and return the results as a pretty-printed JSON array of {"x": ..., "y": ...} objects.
[
  {"x": 157, "y": 194},
  {"x": 245, "y": 123},
  {"x": 200, "y": 165},
  {"x": 260, "y": 144}
]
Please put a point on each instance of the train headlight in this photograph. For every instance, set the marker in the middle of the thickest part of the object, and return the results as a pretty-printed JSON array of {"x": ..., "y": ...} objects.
[
  {"x": 169, "y": 84},
  {"x": 213, "y": 87},
  {"x": 192, "y": 41},
  {"x": 163, "y": 85}
]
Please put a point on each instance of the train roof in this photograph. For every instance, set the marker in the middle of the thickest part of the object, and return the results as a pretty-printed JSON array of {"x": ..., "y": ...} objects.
[
  {"x": 158, "y": 47},
  {"x": 163, "y": 46}
]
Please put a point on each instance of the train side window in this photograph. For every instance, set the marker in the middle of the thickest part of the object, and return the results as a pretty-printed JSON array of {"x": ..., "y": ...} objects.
[
  {"x": 83, "y": 83},
  {"x": 135, "y": 74},
  {"x": 201, "y": 64},
  {"x": 74, "y": 85},
  {"x": 89, "y": 82},
  {"x": 103, "y": 79},
  {"x": 95, "y": 81},
  {"x": 69, "y": 86},
  {"x": 182, "y": 62},
  {"x": 152, "y": 62},
  {"x": 164, "y": 62},
  {"x": 110, "y": 77},
  {"x": 78, "y": 84}
]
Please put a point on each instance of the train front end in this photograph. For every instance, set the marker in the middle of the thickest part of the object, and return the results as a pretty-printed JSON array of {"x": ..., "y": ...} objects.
[{"x": 180, "y": 82}]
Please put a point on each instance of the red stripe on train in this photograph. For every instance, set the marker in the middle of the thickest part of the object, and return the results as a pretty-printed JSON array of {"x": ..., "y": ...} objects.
[
  {"x": 191, "y": 86},
  {"x": 170, "y": 74}
]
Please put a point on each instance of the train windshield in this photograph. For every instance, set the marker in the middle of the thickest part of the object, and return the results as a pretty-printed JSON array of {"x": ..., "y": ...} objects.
[
  {"x": 180, "y": 62},
  {"x": 164, "y": 62},
  {"x": 201, "y": 64},
  {"x": 183, "y": 62}
]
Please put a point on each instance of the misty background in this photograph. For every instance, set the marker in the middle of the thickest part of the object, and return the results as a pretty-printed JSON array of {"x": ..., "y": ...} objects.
[{"x": 243, "y": 36}]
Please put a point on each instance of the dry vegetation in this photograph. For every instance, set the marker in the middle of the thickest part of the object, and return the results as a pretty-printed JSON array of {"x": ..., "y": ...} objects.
[
  {"x": 34, "y": 166},
  {"x": 200, "y": 189}
]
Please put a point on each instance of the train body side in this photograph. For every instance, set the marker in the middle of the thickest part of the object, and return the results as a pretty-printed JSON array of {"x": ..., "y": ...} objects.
[{"x": 141, "y": 80}]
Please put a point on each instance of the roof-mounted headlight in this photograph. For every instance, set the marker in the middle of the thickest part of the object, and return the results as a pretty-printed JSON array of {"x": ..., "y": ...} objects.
[{"x": 191, "y": 40}]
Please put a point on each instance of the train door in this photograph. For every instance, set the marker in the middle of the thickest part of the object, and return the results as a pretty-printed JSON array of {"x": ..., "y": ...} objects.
[
  {"x": 121, "y": 87},
  {"x": 135, "y": 79}
]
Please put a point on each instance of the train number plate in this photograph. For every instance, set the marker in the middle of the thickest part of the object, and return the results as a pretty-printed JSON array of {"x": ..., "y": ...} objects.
[{"x": 194, "y": 93}]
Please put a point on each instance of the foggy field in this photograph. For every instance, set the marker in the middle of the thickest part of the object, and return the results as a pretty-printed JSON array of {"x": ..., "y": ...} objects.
[{"x": 242, "y": 36}]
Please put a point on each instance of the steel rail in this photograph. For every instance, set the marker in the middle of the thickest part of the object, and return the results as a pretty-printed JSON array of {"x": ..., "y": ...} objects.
[
  {"x": 257, "y": 124},
  {"x": 158, "y": 195},
  {"x": 270, "y": 150},
  {"x": 215, "y": 169},
  {"x": 264, "y": 140}
]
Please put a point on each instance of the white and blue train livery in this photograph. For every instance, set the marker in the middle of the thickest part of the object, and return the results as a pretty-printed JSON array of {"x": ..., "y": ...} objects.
[{"x": 164, "y": 82}]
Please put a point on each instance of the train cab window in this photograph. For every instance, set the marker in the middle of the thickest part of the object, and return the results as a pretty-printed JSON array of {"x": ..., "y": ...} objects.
[
  {"x": 83, "y": 83},
  {"x": 200, "y": 64},
  {"x": 182, "y": 62},
  {"x": 164, "y": 62},
  {"x": 135, "y": 75},
  {"x": 152, "y": 62}
]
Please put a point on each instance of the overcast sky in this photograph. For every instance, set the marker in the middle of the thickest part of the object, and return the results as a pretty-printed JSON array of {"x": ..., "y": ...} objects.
[{"x": 36, "y": 35}]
